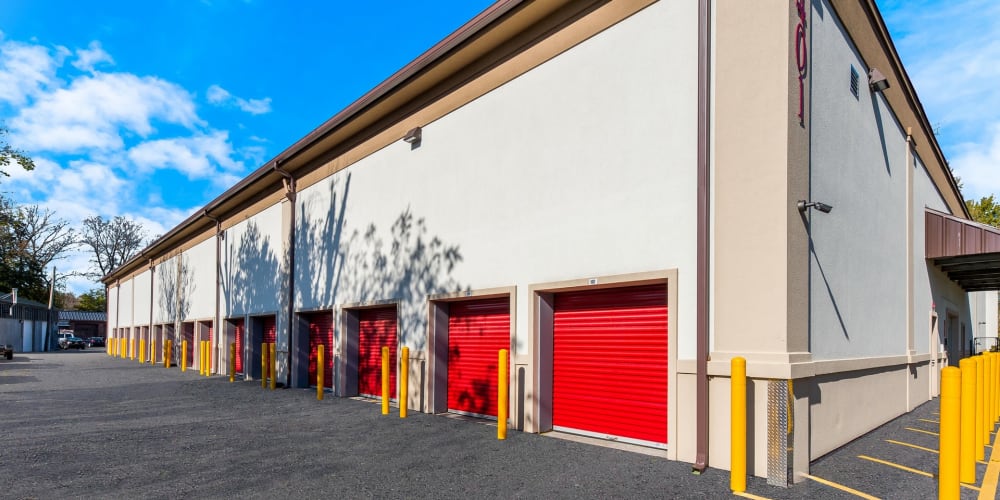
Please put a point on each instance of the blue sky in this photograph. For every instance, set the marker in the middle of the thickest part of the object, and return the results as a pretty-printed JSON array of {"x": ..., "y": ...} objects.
[{"x": 152, "y": 109}]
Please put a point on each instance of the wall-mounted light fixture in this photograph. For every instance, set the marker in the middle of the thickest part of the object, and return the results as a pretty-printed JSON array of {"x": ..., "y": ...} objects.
[
  {"x": 877, "y": 82},
  {"x": 413, "y": 136},
  {"x": 803, "y": 205}
]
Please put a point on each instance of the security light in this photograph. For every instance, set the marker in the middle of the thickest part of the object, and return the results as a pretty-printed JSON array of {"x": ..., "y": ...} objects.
[
  {"x": 877, "y": 82},
  {"x": 803, "y": 205},
  {"x": 413, "y": 136}
]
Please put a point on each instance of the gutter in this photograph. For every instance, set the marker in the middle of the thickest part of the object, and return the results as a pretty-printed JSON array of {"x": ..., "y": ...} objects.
[
  {"x": 289, "y": 184},
  {"x": 428, "y": 58},
  {"x": 704, "y": 239},
  {"x": 218, "y": 281}
]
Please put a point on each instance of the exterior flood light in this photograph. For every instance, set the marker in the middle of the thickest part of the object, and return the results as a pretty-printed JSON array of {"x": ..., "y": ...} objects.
[
  {"x": 877, "y": 82},
  {"x": 413, "y": 136},
  {"x": 803, "y": 205}
]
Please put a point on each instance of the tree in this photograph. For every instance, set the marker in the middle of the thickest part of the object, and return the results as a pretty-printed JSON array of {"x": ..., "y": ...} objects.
[
  {"x": 113, "y": 242},
  {"x": 18, "y": 266},
  {"x": 9, "y": 154},
  {"x": 986, "y": 210},
  {"x": 94, "y": 300}
]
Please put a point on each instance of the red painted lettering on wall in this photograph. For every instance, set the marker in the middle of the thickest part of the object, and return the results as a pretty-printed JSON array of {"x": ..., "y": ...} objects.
[{"x": 801, "y": 56}]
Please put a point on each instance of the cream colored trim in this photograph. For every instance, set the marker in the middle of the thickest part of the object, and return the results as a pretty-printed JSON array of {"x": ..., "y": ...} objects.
[
  {"x": 483, "y": 293},
  {"x": 797, "y": 365},
  {"x": 668, "y": 277},
  {"x": 372, "y": 304}
]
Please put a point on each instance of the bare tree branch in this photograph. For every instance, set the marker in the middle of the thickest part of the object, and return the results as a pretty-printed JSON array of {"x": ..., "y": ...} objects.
[{"x": 113, "y": 242}]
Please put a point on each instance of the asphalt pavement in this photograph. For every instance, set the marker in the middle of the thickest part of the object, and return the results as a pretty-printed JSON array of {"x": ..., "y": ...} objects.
[{"x": 81, "y": 424}]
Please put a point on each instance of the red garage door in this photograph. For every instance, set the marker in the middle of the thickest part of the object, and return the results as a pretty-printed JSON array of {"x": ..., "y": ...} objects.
[
  {"x": 477, "y": 330},
  {"x": 238, "y": 339},
  {"x": 321, "y": 333},
  {"x": 187, "y": 334},
  {"x": 377, "y": 328},
  {"x": 270, "y": 330},
  {"x": 609, "y": 366}
]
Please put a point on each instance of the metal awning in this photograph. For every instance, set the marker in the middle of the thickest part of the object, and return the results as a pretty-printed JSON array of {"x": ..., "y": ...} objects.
[{"x": 967, "y": 251}]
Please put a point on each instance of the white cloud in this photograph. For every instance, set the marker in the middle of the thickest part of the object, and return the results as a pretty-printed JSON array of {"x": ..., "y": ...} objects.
[
  {"x": 26, "y": 70},
  {"x": 94, "y": 110},
  {"x": 978, "y": 164},
  {"x": 93, "y": 55},
  {"x": 221, "y": 97},
  {"x": 196, "y": 157}
]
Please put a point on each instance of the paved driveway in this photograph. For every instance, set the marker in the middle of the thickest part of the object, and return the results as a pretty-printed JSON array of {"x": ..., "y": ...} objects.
[{"x": 80, "y": 424}]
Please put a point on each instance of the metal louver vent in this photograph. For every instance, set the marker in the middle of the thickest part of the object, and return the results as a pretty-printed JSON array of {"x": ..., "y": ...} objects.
[{"x": 854, "y": 82}]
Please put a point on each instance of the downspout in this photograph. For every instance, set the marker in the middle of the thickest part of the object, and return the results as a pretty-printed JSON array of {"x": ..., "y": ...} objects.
[
  {"x": 118, "y": 308},
  {"x": 289, "y": 183},
  {"x": 152, "y": 278},
  {"x": 704, "y": 227},
  {"x": 218, "y": 281}
]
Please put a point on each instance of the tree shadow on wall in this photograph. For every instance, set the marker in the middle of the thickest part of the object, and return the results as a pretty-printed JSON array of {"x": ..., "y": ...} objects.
[
  {"x": 176, "y": 285},
  {"x": 250, "y": 271},
  {"x": 403, "y": 264}
]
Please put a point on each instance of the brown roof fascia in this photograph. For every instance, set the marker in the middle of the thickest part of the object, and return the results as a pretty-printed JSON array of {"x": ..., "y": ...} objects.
[
  {"x": 258, "y": 180},
  {"x": 901, "y": 96}
]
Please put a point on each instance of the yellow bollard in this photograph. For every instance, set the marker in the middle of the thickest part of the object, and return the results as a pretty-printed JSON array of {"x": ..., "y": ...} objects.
[
  {"x": 142, "y": 351},
  {"x": 232, "y": 362},
  {"x": 167, "y": 344},
  {"x": 980, "y": 424},
  {"x": 263, "y": 366},
  {"x": 502, "y": 395},
  {"x": 967, "y": 450},
  {"x": 948, "y": 458},
  {"x": 385, "y": 380},
  {"x": 184, "y": 356},
  {"x": 738, "y": 425},
  {"x": 319, "y": 372},
  {"x": 274, "y": 365},
  {"x": 404, "y": 380}
]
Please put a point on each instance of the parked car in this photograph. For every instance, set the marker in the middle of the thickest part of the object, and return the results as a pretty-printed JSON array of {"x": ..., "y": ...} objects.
[
  {"x": 96, "y": 341},
  {"x": 72, "y": 343}
]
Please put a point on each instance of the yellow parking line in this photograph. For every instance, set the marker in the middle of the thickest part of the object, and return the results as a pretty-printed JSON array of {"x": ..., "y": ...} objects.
[
  {"x": 921, "y": 430},
  {"x": 910, "y": 469},
  {"x": 910, "y": 445},
  {"x": 901, "y": 467},
  {"x": 840, "y": 487},
  {"x": 991, "y": 478},
  {"x": 751, "y": 496},
  {"x": 929, "y": 421}
]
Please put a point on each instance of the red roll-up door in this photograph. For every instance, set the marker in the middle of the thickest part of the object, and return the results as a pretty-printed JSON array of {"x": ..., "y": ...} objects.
[
  {"x": 238, "y": 334},
  {"x": 321, "y": 333},
  {"x": 211, "y": 348},
  {"x": 377, "y": 328},
  {"x": 270, "y": 330},
  {"x": 609, "y": 366},
  {"x": 477, "y": 330},
  {"x": 188, "y": 335}
]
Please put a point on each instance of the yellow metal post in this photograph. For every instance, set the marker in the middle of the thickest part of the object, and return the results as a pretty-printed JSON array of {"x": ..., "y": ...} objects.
[
  {"x": 142, "y": 350},
  {"x": 123, "y": 352},
  {"x": 967, "y": 450},
  {"x": 201, "y": 357},
  {"x": 320, "y": 363},
  {"x": 385, "y": 380},
  {"x": 404, "y": 380},
  {"x": 992, "y": 387},
  {"x": 263, "y": 366},
  {"x": 502, "y": 394},
  {"x": 184, "y": 355},
  {"x": 980, "y": 425},
  {"x": 167, "y": 352},
  {"x": 738, "y": 425},
  {"x": 951, "y": 408},
  {"x": 232, "y": 362},
  {"x": 274, "y": 364}
]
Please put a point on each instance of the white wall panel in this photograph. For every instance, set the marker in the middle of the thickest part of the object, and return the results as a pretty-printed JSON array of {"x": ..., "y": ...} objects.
[
  {"x": 858, "y": 165},
  {"x": 197, "y": 281},
  {"x": 165, "y": 292},
  {"x": 251, "y": 263},
  {"x": 585, "y": 166},
  {"x": 125, "y": 304},
  {"x": 141, "y": 293},
  {"x": 112, "y": 308}
]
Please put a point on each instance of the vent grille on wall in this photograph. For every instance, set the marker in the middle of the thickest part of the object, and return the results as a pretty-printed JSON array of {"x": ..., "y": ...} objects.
[{"x": 854, "y": 82}]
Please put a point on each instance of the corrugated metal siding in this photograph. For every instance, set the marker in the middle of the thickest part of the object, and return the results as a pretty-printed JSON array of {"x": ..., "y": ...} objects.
[
  {"x": 477, "y": 330},
  {"x": 377, "y": 328},
  {"x": 238, "y": 334},
  {"x": 321, "y": 333},
  {"x": 270, "y": 330},
  {"x": 610, "y": 362}
]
